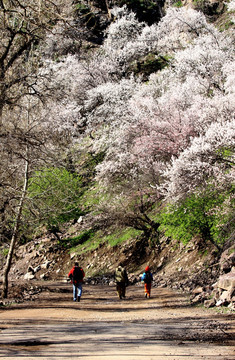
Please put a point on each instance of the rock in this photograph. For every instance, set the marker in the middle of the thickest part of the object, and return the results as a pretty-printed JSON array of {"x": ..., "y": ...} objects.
[
  {"x": 37, "y": 268},
  {"x": 209, "y": 303},
  {"x": 197, "y": 299},
  {"x": 227, "y": 281},
  {"x": 231, "y": 306},
  {"x": 217, "y": 295},
  {"x": 227, "y": 260},
  {"x": 30, "y": 269},
  {"x": 163, "y": 284},
  {"x": 44, "y": 276},
  {"x": 35, "y": 254},
  {"x": 80, "y": 220},
  {"x": 198, "y": 290},
  {"x": 225, "y": 296},
  {"x": 29, "y": 276},
  {"x": 220, "y": 303},
  {"x": 46, "y": 264}
]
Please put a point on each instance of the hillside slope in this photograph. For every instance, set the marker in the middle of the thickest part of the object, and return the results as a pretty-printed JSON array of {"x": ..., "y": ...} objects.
[{"x": 193, "y": 269}]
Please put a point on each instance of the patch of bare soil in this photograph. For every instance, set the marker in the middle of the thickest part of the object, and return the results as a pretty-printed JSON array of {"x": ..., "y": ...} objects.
[{"x": 164, "y": 327}]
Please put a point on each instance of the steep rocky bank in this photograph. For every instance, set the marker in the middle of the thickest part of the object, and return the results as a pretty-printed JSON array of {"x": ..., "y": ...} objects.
[{"x": 192, "y": 269}]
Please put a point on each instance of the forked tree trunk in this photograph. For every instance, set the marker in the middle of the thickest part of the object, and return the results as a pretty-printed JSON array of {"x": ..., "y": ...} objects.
[{"x": 15, "y": 232}]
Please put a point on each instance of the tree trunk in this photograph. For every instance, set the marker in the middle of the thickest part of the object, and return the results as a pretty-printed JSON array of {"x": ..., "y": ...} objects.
[
  {"x": 108, "y": 9},
  {"x": 15, "y": 231}
]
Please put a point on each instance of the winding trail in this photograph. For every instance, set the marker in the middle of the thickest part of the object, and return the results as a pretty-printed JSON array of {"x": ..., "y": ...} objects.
[{"x": 165, "y": 327}]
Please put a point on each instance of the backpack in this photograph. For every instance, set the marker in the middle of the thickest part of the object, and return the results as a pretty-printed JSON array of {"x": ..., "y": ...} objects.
[
  {"x": 148, "y": 277},
  {"x": 77, "y": 274},
  {"x": 120, "y": 275}
]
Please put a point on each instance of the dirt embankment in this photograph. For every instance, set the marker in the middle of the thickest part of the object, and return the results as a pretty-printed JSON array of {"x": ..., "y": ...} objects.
[{"x": 191, "y": 269}]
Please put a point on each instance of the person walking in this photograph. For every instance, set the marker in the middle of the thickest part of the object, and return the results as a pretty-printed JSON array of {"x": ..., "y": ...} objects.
[
  {"x": 122, "y": 281},
  {"x": 147, "y": 278},
  {"x": 76, "y": 275}
]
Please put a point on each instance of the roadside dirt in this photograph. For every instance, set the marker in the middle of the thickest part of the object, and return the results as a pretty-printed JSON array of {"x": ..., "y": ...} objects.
[{"x": 165, "y": 327}]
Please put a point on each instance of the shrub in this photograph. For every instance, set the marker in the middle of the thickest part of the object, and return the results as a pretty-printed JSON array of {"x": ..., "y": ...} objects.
[
  {"x": 208, "y": 215},
  {"x": 54, "y": 195}
]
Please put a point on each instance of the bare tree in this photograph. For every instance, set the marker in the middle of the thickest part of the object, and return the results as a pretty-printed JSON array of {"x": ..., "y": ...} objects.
[
  {"x": 16, "y": 227},
  {"x": 20, "y": 147},
  {"x": 22, "y": 25},
  {"x": 29, "y": 144}
]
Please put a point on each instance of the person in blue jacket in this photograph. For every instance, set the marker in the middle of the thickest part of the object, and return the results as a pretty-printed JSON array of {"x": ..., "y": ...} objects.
[{"x": 147, "y": 278}]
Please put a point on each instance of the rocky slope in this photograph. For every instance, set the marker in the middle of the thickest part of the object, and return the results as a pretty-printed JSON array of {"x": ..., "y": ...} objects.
[{"x": 191, "y": 268}]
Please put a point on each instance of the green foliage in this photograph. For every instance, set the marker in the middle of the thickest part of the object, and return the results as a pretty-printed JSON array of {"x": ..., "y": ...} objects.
[
  {"x": 228, "y": 25},
  {"x": 77, "y": 240},
  {"x": 88, "y": 18},
  {"x": 4, "y": 252},
  {"x": 91, "y": 198},
  {"x": 203, "y": 215},
  {"x": 178, "y": 4},
  {"x": 146, "y": 10},
  {"x": 55, "y": 194},
  {"x": 227, "y": 154},
  {"x": 87, "y": 168},
  {"x": 120, "y": 237},
  {"x": 79, "y": 6},
  {"x": 89, "y": 244},
  {"x": 208, "y": 8},
  {"x": 90, "y": 240},
  {"x": 150, "y": 64},
  {"x": 199, "y": 3},
  {"x": 231, "y": 251}
]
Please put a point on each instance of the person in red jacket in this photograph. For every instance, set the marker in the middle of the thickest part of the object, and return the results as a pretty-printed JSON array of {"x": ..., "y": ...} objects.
[{"x": 76, "y": 275}]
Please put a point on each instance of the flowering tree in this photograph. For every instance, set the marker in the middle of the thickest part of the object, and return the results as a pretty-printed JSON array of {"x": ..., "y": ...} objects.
[
  {"x": 180, "y": 107},
  {"x": 154, "y": 133},
  {"x": 210, "y": 158}
]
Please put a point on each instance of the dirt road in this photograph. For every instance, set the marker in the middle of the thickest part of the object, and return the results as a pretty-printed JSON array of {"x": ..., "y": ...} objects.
[{"x": 101, "y": 326}]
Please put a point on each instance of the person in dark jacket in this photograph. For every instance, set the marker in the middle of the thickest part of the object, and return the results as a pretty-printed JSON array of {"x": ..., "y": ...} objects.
[
  {"x": 147, "y": 278},
  {"x": 122, "y": 281},
  {"x": 76, "y": 275}
]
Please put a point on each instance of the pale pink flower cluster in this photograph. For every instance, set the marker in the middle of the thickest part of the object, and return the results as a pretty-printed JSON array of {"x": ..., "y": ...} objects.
[{"x": 166, "y": 133}]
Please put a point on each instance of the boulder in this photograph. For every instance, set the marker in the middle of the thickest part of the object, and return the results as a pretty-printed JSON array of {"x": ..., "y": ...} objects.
[
  {"x": 227, "y": 260},
  {"x": 30, "y": 269},
  {"x": 29, "y": 276},
  {"x": 198, "y": 290},
  {"x": 46, "y": 264},
  {"x": 225, "y": 296},
  {"x": 227, "y": 281},
  {"x": 221, "y": 303},
  {"x": 43, "y": 276},
  {"x": 209, "y": 303},
  {"x": 37, "y": 268}
]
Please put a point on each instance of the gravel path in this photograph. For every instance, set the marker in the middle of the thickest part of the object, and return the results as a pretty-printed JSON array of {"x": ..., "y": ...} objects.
[{"x": 165, "y": 327}]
